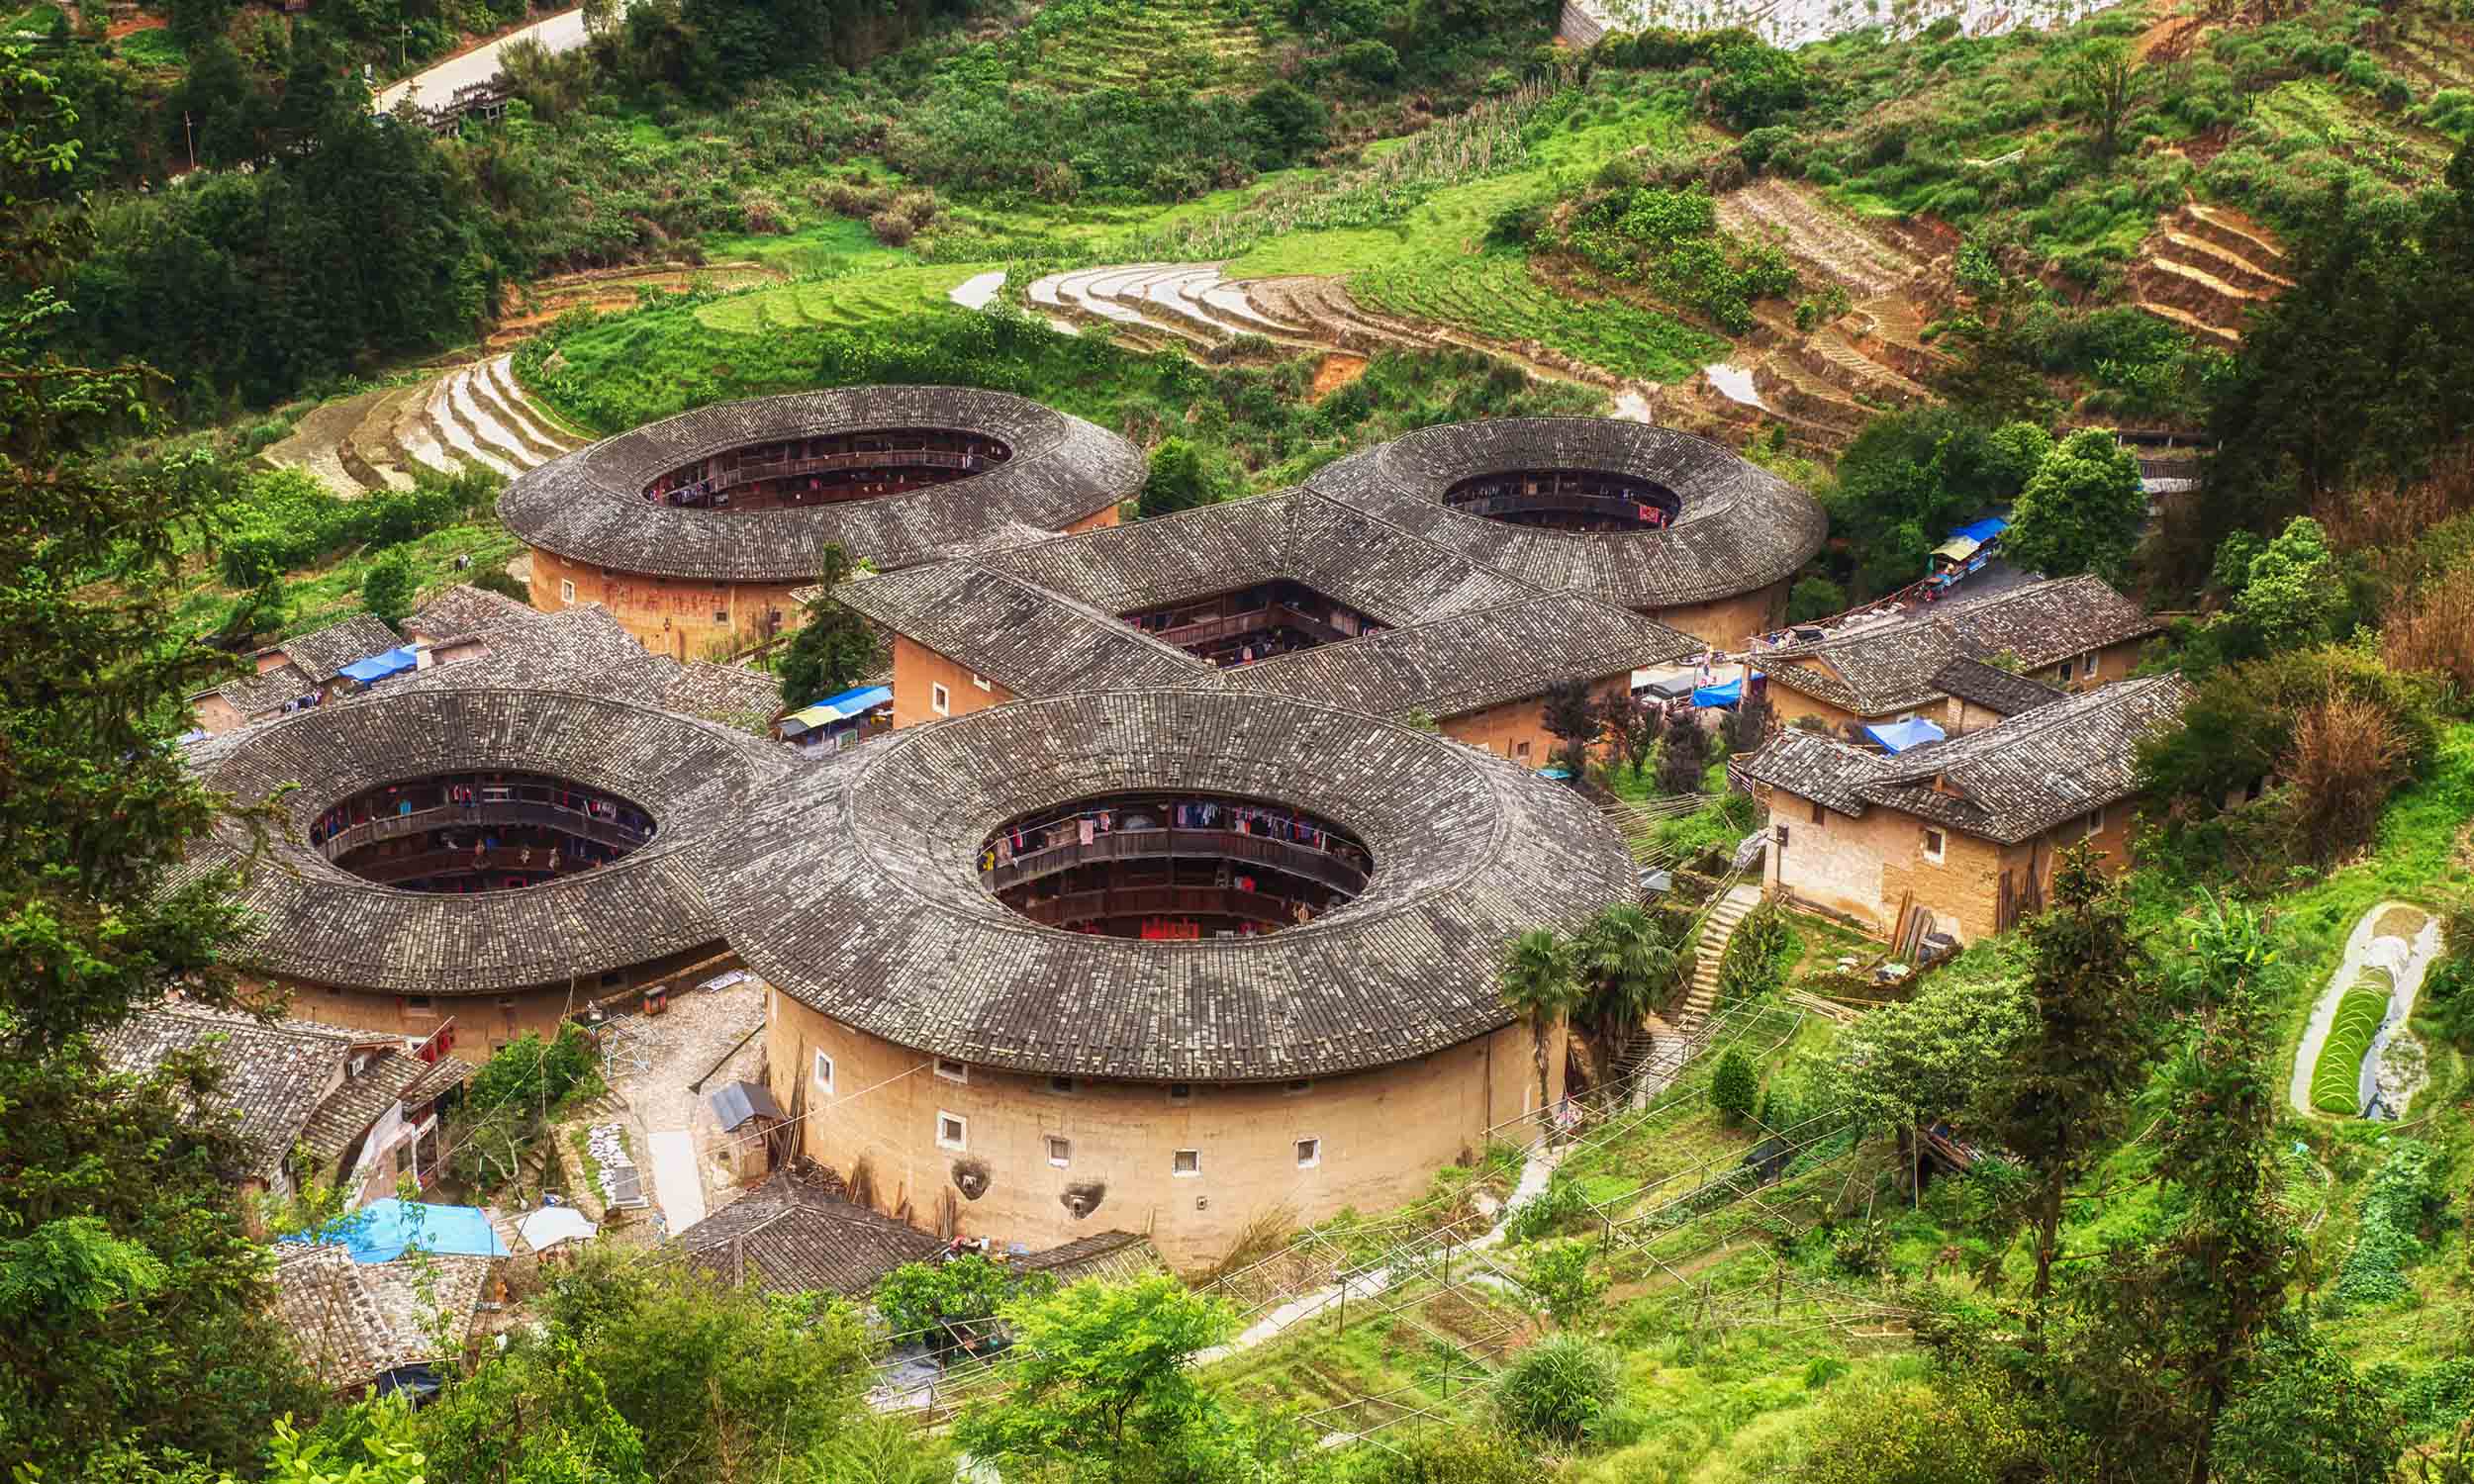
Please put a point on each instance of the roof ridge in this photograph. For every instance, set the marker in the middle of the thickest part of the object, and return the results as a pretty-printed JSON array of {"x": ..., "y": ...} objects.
[{"x": 2026, "y": 724}]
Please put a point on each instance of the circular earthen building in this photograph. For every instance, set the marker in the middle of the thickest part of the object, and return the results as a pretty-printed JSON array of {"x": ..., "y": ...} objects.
[
  {"x": 1667, "y": 524},
  {"x": 695, "y": 531},
  {"x": 1168, "y": 962}
]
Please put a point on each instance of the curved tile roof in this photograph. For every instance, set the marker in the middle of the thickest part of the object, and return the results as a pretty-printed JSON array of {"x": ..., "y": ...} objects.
[
  {"x": 319, "y": 923},
  {"x": 1741, "y": 527},
  {"x": 863, "y": 901},
  {"x": 589, "y": 505}
]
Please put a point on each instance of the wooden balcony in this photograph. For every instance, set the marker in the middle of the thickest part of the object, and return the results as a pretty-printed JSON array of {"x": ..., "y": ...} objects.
[
  {"x": 1301, "y": 861},
  {"x": 389, "y": 869},
  {"x": 448, "y": 816},
  {"x": 1077, "y": 907}
]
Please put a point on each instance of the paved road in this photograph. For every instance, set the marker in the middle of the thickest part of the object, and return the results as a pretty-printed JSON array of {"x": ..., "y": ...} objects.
[{"x": 563, "y": 32}]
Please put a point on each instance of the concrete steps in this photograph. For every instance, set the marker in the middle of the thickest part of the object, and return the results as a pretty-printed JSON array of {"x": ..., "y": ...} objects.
[{"x": 1716, "y": 929}]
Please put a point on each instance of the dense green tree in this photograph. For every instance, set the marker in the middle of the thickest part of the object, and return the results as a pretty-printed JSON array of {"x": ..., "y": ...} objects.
[
  {"x": 2062, "y": 1095},
  {"x": 1904, "y": 1066},
  {"x": 1180, "y": 480},
  {"x": 1632, "y": 727},
  {"x": 1106, "y": 1383},
  {"x": 1556, "y": 1275},
  {"x": 1289, "y": 124},
  {"x": 1575, "y": 722},
  {"x": 836, "y": 649},
  {"x": 2104, "y": 80},
  {"x": 1684, "y": 757},
  {"x": 1735, "y": 1087},
  {"x": 389, "y": 589},
  {"x": 2292, "y": 592},
  {"x": 2081, "y": 512},
  {"x": 2168, "y": 1332},
  {"x": 1626, "y": 964},
  {"x": 1906, "y": 481}
]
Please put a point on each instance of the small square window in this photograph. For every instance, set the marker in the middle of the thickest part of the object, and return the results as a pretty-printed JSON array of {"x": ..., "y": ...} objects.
[
  {"x": 941, "y": 700},
  {"x": 979, "y": 679},
  {"x": 1300, "y": 1084},
  {"x": 566, "y": 591},
  {"x": 1186, "y": 1161},
  {"x": 1932, "y": 845},
  {"x": 1520, "y": 749},
  {"x": 1816, "y": 811},
  {"x": 1060, "y": 1151},
  {"x": 952, "y": 1132},
  {"x": 823, "y": 1073},
  {"x": 2095, "y": 825},
  {"x": 721, "y": 615},
  {"x": 416, "y": 1002},
  {"x": 952, "y": 1071},
  {"x": 2069, "y": 670},
  {"x": 1181, "y": 1092},
  {"x": 1309, "y": 1152},
  {"x": 1061, "y": 1084}
]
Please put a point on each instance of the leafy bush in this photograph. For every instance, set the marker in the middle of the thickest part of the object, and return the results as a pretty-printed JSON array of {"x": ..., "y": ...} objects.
[
  {"x": 1561, "y": 1204},
  {"x": 1456, "y": 1454},
  {"x": 285, "y": 519},
  {"x": 1734, "y": 1088},
  {"x": 2336, "y": 1077},
  {"x": 1755, "y": 962},
  {"x": 2402, "y": 1207},
  {"x": 1558, "y": 1388},
  {"x": 916, "y": 1295}
]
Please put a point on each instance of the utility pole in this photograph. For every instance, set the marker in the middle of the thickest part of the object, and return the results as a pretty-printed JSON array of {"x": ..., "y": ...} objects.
[{"x": 189, "y": 131}]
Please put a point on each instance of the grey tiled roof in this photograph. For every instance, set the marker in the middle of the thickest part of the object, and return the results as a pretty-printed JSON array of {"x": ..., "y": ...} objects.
[
  {"x": 275, "y": 1076},
  {"x": 2006, "y": 782},
  {"x": 1113, "y": 1255},
  {"x": 788, "y": 1237},
  {"x": 327, "y": 651},
  {"x": 1371, "y": 564},
  {"x": 1741, "y": 527},
  {"x": 585, "y": 652},
  {"x": 340, "y": 1120},
  {"x": 1994, "y": 689},
  {"x": 2051, "y": 620},
  {"x": 464, "y": 610},
  {"x": 1025, "y": 638},
  {"x": 1473, "y": 659},
  {"x": 354, "y": 1322},
  {"x": 864, "y": 901},
  {"x": 254, "y": 694},
  {"x": 588, "y": 504},
  {"x": 319, "y": 923},
  {"x": 1894, "y": 667}
]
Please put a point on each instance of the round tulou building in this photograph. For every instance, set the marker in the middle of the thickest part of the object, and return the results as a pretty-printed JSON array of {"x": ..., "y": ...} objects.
[
  {"x": 500, "y": 857},
  {"x": 1676, "y": 527},
  {"x": 694, "y": 531},
  {"x": 1171, "y": 961}
]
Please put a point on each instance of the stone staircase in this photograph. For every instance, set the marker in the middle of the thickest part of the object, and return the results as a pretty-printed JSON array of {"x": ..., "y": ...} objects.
[
  {"x": 467, "y": 417},
  {"x": 1716, "y": 930},
  {"x": 2204, "y": 268}
]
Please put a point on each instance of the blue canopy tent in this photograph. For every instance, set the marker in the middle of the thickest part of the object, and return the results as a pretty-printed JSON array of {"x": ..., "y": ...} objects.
[
  {"x": 379, "y": 666},
  {"x": 386, "y": 1230},
  {"x": 849, "y": 706},
  {"x": 1981, "y": 531},
  {"x": 1719, "y": 696},
  {"x": 1898, "y": 737}
]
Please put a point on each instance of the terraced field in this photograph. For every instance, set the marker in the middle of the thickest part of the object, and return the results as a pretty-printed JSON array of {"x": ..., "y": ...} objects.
[
  {"x": 1491, "y": 295},
  {"x": 1081, "y": 46},
  {"x": 1792, "y": 23},
  {"x": 839, "y": 303},
  {"x": 473, "y": 415}
]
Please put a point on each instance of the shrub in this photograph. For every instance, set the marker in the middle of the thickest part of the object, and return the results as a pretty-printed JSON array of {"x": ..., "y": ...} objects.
[
  {"x": 1883, "y": 1432},
  {"x": 2336, "y": 1077},
  {"x": 2433, "y": 633},
  {"x": 1734, "y": 1088},
  {"x": 892, "y": 228},
  {"x": 389, "y": 589},
  {"x": 1458, "y": 1454},
  {"x": 2348, "y": 756},
  {"x": 1558, "y": 1388},
  {"x": 1562, "y": 1203},
  {"x": 1755, "y": 960},
  {"x": 2400, "y": 1209}
]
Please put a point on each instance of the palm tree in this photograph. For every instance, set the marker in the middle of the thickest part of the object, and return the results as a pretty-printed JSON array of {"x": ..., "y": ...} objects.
[
  {"x": 1624, "y": 965},
  {"x": 1538, "y": 980}
]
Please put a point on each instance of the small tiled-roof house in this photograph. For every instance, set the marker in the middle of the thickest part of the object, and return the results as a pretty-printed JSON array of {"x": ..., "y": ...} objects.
[
  {"x": 1966, "y": 667},
  {"x": 298, "y": 669},
  {"x": 1963, "y": 831},
  {"x": 360, "y": 1102}
]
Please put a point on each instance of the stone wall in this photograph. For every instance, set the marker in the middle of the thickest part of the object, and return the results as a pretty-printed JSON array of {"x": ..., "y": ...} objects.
[
  {"x": 669, "y": 615},
  {"x": 1728, "y": 622},
  {"x": 1379, "y": 1137}
]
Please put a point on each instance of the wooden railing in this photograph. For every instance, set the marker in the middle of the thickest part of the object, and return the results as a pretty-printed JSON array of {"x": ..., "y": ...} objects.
[
  {"x": 574, "y": 822},
  {"x": 1557, "y": 502},
  {"x": 1161, "y": 901},
  {"x": 1145, "y": 845},
  {"x": 1253, "y": 620},
  {"x": 388, "y": 870},
  {"x": 886, "y": 458}
]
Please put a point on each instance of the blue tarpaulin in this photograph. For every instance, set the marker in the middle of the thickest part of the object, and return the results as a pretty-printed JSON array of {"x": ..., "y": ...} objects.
[
  {"x": 1981, "y": 531},
  {"x": 379, "y": 666},
  {"x": 1719, "y": 696},
  {"x": 1898, "y": 737},
  {"x": 853, "y": 703},
  {"x": 386, "y": 1230}
]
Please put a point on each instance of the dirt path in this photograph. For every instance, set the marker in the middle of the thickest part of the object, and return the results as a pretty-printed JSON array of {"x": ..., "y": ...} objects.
[{"x": 676, "y": 1048}]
